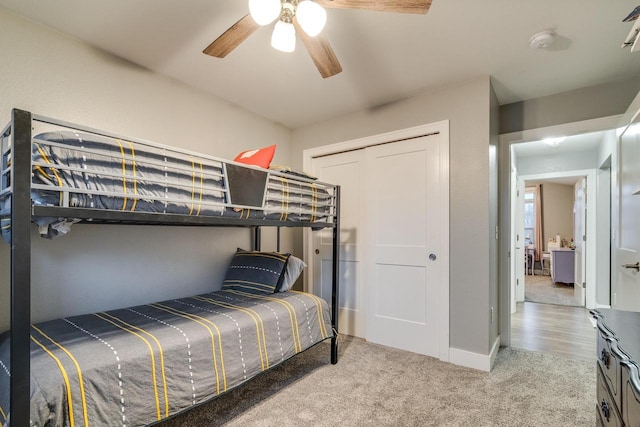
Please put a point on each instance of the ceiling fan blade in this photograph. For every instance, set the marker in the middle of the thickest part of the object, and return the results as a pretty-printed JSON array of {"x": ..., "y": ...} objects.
[
  {"x": 231, "y": 38},
  {"x": 397, "y": 6},
  {"x": 321, "y": 52}
]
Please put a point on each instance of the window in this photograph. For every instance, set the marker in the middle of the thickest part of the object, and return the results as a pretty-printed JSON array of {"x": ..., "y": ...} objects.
[{"x": 529, "y": 216}]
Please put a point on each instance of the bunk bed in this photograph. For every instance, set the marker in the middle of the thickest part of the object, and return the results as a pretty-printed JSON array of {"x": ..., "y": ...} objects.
[{"x": 56, "y": 174}]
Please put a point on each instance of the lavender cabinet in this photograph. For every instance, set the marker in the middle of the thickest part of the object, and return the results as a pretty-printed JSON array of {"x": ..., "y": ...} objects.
[{"x": 562, "y": 265}]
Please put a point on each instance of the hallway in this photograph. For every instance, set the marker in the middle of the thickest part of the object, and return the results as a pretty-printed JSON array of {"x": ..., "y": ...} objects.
[
  {"x": 561, "y": 330},
  {"x": 540, "y": 288}
]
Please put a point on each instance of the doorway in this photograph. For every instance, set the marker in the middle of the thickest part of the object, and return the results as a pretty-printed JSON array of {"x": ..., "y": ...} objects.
[
  {"x": 554, "y": 238},
  {"x": 557, "y": 250},
  {"x": 548, "y": 166},
  {"x": 561, "y": 249}
]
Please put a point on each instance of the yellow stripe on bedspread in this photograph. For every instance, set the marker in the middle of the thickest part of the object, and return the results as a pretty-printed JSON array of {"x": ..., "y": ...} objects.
[
  {"x": 55, "y": 171},
  {"x": 203, "y": 321},
  {"x": 65, "y": 378},
  {"x": 164, "y": 357},
  {"x": 124, "y": 176},
  {"x": 162, "y": 369},
  {"x": 135, "y": 177},
  {"x": 153, "y": 363},
  {"x": 320, "y": 314},
  {"x": 83, "y": 397},
  {"x": 293, "y": 319},
  {"x": 4, "y": 415},
  {"x": 262, "y": 344}
]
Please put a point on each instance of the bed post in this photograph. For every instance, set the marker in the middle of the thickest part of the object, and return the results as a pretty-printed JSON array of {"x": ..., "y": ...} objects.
[
  {"x": 20, "y": 267},
  {"x": 335, "y": 278},
  {"x": 257, "y": 243}
]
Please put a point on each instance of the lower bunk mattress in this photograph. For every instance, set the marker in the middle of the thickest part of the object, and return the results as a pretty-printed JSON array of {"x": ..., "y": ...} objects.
[{"x": 137, "y": 366}]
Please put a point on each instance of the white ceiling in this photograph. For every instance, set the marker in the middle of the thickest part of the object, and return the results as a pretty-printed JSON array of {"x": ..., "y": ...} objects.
[
  {"x": 385, "y": 57},
  {"x": 572, "y": 144}
]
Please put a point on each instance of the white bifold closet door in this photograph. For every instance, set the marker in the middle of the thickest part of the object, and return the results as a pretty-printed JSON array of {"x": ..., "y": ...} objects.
[
  {"x": 347, "y": 170},
  {"x": 389, "y": 242}
]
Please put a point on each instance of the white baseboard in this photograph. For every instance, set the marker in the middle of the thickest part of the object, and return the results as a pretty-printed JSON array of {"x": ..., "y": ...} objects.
[{"x": 482, "y": 362}]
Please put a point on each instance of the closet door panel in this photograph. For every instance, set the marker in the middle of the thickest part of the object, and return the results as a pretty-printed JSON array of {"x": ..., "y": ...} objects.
[
  {"x": 401, "y": 223},
  {"x": 347, "y": 170}
]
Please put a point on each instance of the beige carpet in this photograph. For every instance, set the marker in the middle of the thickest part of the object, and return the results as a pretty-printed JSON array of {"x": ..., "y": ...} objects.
[
  {"x": 374, "y": 385},
  {"x": 539, "y": 288}
]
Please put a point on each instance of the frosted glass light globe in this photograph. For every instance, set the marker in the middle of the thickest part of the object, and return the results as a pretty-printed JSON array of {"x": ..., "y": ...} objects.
[
  {"x": 284, "y": 37},
  {"x": 264, "y": 12},
  {"x": 311, "y": 16}
]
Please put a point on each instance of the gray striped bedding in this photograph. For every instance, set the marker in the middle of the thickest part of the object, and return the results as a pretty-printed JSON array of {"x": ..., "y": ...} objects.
[
  {"x": 98, "y": 172},
  {"x": 136, "y": 366}
]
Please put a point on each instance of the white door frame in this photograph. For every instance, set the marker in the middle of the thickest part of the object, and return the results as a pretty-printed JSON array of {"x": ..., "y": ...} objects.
[
  {"x": 593, "y": 125},
  {"x": 442, "y": 128},
  {"x": 585, "y": 259},
  {"x": 519, "y": 247},
  {"x": 590, "y": 228}
]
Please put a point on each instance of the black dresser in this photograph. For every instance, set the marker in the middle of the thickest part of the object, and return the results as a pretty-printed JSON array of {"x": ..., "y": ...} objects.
[{"x": 618, "y": 384}]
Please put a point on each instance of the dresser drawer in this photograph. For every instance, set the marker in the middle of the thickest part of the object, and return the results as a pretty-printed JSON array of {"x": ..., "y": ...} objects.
[
  {"x": 605, "y": 404},
  {"x": 630, "y": 394},
  {"x": 609, "y": 356}
]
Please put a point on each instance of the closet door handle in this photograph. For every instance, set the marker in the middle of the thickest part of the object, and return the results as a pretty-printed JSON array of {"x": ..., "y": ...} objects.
[
  {"x": 635, "y": 266},
  {"x": 433, "y": 257}
]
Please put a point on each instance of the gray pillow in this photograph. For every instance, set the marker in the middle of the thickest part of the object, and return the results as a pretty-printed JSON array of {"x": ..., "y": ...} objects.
[{"x": 295, "y": 266}]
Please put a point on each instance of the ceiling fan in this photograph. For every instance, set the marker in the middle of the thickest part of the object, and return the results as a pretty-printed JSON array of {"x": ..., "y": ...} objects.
[{"x": 305, "y": 18}]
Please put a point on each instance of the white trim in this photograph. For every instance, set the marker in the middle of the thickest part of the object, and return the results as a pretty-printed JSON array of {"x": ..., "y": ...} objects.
[
  {"x": 354, "y": 144},
  {"x": 585, "y": 126},
  {"x": 482, "y": 362},
  {"x": 441, "y": 127}
]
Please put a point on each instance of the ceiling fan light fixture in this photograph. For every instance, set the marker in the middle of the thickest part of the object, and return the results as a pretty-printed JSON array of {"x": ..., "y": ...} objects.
[
  {"x": 264, "y": 12},
  {"x": 284, "y": 37},
  {"x": 311, "y": 16}
]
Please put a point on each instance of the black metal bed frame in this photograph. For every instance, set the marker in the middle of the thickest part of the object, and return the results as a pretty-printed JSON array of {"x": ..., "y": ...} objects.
[{"x": 22, "y": 212}]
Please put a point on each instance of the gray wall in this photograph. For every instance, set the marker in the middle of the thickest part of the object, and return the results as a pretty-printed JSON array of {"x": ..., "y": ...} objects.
[
  {"x": 557, "y": 211},
  {"x": 557, "y": 163},
  {"x": 102, "y": 267},
  {"x": 467, "y": 106},
  {"x": 602, "y": 100}
]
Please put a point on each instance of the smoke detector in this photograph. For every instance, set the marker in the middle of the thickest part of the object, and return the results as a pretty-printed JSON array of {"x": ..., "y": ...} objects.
[{"x": 542, "y": 40}]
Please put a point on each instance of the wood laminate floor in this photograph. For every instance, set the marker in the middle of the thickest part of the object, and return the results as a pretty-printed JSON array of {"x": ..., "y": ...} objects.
[{"x": 561, "y": 330}]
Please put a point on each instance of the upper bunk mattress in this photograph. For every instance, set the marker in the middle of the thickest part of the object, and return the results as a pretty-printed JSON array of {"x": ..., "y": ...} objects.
[{"x": 83, "y": 170}]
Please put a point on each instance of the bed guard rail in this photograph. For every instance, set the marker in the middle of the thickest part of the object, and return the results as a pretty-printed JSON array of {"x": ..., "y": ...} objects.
[{"x": 89, "y": 170}]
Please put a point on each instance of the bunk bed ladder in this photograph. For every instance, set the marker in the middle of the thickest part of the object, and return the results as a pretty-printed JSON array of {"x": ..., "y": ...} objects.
[{"x": 20, "y": 268}]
